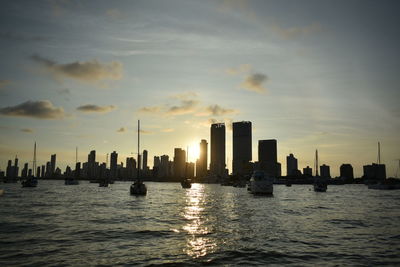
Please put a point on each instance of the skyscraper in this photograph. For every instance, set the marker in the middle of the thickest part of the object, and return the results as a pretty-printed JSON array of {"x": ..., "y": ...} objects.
[
  {"x": 217, "y": 164},
  {"x": 201, "y": 164},
  {"x": 91, "y": 164},
  {"x": 113, "y": 165},
  {"x": 145, "y": 160},
  {"x": 241, "y": 147},
  {"x": 53, "y": 164},
  {"x": 268, "y": 157},
  {"x": 325, "y": 171},
  {"x": 291, "y": 165},
  {"x": 346, "y": 172},
  {"x": 179, "y": 162}
]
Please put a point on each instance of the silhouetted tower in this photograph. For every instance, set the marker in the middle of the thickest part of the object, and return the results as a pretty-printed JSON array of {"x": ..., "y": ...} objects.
[
  {"x": 113, "y": 164},
  {"x": 34, "y": 160},
  {"x": 201, "y": 164},
  {"x": 325, "y": 171},
  {"x": 145, "y": 160},
  {"x": 268, "y": 157},
  {"x": 316, "y": 163},
  {"x": 179, "y": 162},
  {"x": 241, "y": 147},
  {"x": 53, "y": 164},
  {"x": 291, "y": 165},
  {"x": 346, "y": 172},
  {"x": 16, "y": 168},
  {"x": 91, "y": 164},
  {"x": 217, "y": 164}
]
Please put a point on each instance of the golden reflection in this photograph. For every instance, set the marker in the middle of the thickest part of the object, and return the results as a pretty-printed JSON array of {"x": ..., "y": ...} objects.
[{"x": 198, "y": 244}]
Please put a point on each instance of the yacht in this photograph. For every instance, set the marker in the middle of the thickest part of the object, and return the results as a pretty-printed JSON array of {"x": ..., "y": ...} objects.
[
  {"x": 138, "y": 188},
  {"x": 30, "y": 182},
  {"x": 261, "y": 183},
  {"x": 320, "y": 183},
  {"x": 186, "y": 183}
]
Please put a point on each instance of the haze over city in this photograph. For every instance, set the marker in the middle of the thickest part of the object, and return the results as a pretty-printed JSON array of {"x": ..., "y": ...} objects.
[{"x": 81, "y": 73}]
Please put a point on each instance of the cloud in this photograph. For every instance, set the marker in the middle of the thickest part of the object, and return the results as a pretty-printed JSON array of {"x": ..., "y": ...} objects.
[
  {"x": 95, "y": 109},
  {"x": 20, "y": 37},
  {"x": 150, "y": 110},
  {"x": 4, "y": 83},
  {"x": 114, "y": 13},
  {"x": 167, "y": 130},
  {"x": 86, "y": 71},
  {"x": 185, "y": 96},
  {"x": 238, "y": 70},
  {"x": 216, "y": 110},
  {"x": 254, "y": 83},
  {"x": 43, "y": 109},
  {"x": 186, "y": 107},
  {"x": 27, "y": 130},
  {"x": 65, "y": 91},
  {"x": 293, "y": 32},
  {"x": 121, "y": 130}
]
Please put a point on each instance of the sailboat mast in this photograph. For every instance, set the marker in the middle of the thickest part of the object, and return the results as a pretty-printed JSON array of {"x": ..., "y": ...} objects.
[
  {"x": 138, "y": 151},
  {"x": 34, "y": 161},
  {"x": 379, "y": 153},
  {"x": 316, "y": 162},
  {"x": 76, "y": 155}
]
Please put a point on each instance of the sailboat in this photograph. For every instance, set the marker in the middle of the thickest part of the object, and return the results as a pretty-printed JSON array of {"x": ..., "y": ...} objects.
[
  {"x": 186, "y": 182},
  {"x": 138, "y": 188},
  {"x": 31, "y": 181},
  {"x": 385, "y": 184},
  {"x": 320, "y": 183}
]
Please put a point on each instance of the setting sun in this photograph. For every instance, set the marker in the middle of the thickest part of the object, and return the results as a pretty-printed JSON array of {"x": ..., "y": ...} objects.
[{"x": 194, "y": 152}]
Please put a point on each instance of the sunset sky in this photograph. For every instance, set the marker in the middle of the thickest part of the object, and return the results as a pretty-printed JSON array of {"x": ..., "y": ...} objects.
[{"x": 312, "y": 74}]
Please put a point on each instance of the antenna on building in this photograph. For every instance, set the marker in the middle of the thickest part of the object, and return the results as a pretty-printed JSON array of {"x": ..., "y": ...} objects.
[{"x": 379, "y": 153}]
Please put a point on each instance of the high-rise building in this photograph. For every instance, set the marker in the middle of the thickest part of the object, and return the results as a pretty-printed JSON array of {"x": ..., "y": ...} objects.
[
  {"x": 145, "y": 160},
  {"x": 24, "y": 172},
  {"x": 113, "y": 165},
  {"x": 164, "y": 167},
  {"x": 9, "y": 170},
  {"x": 201, "y": 163},
  {"x": 91, "y": 164},
  {"x": 179, "y": 163},
  {"x": 291, "y": 165},
  {"x": 325, "y": 171},
  {"x": 268, "y": 157},
  {"x": 241, "y": 147},
  {"x": 307, "y": 171},
  {"x": 346, "y": 172},
  {"x": 16, "y": 169},
  {"x": 217, "y": 162},
  {"x": 53, "y": 164},
  {"x": 374, "y": 171},
  {"x": 130, "y": 168}
]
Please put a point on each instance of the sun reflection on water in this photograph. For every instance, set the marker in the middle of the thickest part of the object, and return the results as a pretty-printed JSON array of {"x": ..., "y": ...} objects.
[{"x": 198, "y": 244}]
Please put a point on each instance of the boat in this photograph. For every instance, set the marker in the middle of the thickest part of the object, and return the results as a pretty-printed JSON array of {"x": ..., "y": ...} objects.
[
  {"x": 186, "y": 183},
  {"x": 261, "y": 183},
  {"x": 103, "y": 183},
  {"x": 138, "y": 188},
  {"x": 288, "y": 184},
  {"x": 71, "y": 181},
  {"x": 30, "y": 182},
  {"x": 320, "y": 183}
]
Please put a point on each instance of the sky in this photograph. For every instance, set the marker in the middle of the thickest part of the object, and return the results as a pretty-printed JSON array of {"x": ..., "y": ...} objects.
[{"x": 312, "y": 74}]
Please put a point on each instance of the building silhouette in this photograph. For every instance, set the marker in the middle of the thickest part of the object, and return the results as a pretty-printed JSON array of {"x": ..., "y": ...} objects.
[
  {"x": 113, "y": 165},
  {"x": 346, "y": 173},
  {"x": 53, "y": 164},
  {"x": 164, "y": 167},
  {"x": 179, "y": 163},
  {"x": 201, "y": 163},
  {"x": 374, "y": 172},
  {"x": 291, "y": 165},
  {"x": 307, "y": 171},
  {"x": 217, "y": 163},
  {"x": 242, "y": 153},
  {"x": 268, "y": 157},
  {"x": 145, "y": 155},
  {"x": 325, "y": 171}
]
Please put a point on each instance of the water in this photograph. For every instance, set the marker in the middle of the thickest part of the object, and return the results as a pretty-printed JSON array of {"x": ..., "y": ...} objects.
[{"x": 84, "y": 224}]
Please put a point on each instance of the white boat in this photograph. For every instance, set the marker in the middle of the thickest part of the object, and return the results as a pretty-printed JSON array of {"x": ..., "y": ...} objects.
[{"x": 261, "y": 183}]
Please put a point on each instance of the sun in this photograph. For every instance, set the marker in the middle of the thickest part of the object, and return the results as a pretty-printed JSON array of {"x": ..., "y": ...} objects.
[{"x": 194, "y": 152}]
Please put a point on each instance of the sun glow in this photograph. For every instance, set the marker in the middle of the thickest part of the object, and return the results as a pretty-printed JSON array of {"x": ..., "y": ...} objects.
[{"x": 194, "y": 152}]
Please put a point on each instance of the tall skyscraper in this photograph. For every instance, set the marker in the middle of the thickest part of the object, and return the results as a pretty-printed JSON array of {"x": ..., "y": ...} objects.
[
  {"x": 241, "y": 147},
  {"x": 91, "y": 164},
  {"x": 346, "y": 172},
  {"x": 164, "y": 167},
  {"x": 53, "y": 164},
  {"x": 268, "y": 157},
  {"x": 201, "y": 164},
  {"x": 325, "y": 171},
  {"x": 217, "y": 164},
  {"x": 145, "y": 160},
  {"x": 113, "y": 165},
  {"x": 291, "y": 165},
  {"x": 179, "y": 163},
  {"x": 16, "y": 168}
]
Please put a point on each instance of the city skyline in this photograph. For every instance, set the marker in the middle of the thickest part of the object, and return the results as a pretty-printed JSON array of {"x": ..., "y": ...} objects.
[{"x": 79, "y": 74}]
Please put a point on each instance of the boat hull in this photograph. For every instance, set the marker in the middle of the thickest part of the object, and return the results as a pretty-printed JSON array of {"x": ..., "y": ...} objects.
[{"x": 138, "y": 189}]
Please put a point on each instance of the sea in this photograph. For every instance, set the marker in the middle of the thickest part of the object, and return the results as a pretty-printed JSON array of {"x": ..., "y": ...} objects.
[{"x": 208, "y": 224}]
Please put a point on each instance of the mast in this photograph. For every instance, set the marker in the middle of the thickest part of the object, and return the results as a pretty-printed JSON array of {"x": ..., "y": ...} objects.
[
  {"x": 379, "y": 153},
  {"x": 138, "y": 151},
  {"x": 316, "y": 162},
  {"x": 76, "y": 155},
  {"x": 34, "y": 161}
]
